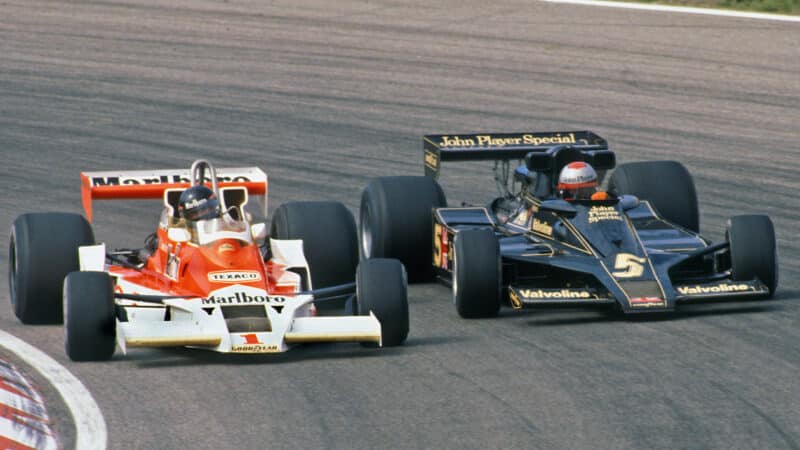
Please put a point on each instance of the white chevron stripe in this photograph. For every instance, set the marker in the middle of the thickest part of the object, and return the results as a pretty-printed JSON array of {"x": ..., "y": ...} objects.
[
  {"x": 27, "y": 436},
  {"x": 90, "y": 427}
]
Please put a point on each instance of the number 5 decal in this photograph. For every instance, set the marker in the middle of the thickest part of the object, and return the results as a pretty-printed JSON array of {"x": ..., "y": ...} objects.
[
  {"x": 441, "y": 247},
  {"x": 437, "y": 245},
  {"x": 628, "y": 266}
]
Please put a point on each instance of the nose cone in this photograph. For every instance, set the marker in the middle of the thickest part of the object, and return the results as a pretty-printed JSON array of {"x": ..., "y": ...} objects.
[
  {"x": 225, "y": 262},
  {"x": 226, "y": 253}
]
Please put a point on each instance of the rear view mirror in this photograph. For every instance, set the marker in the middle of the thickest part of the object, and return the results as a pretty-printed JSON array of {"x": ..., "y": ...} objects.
[
  {"x": 523, "y": 175},
  {"x": 628, "y": 202},
  {"x": 603, "y": 160},
  {"x": 259, "y": 231},
  {"x": 539, "y": 162},
  {"x": 179, "y": 234}
]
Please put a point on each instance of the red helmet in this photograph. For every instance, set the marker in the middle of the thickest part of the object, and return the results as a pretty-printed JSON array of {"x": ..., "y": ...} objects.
[{"x": 577, "y": 180}]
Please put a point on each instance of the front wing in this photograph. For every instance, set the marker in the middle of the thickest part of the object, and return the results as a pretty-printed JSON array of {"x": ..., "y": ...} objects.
[
  {"x": 197, "y": 325},
  {"x": 658, "y": 292}
]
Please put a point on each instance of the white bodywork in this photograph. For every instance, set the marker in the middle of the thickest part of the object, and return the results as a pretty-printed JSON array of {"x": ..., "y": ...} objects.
[
  {"x": 199, "y": 322},
  {"x": 92, "y": 258}
]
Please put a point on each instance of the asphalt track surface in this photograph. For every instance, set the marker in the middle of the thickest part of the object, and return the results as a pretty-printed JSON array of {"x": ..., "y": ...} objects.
[{"x": 325, "y": 95}]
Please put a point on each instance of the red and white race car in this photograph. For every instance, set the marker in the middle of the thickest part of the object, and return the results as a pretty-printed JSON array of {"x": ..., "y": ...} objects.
[{"x": 204, "y": 282}]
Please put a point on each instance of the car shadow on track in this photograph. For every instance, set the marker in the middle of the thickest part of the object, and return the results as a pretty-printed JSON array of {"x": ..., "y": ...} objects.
[
  {"x": 719, "y": 309},
  {"x": 570, "y": 317},
  {"x": 174, "y": 357},
  {"x": 562, "y": 317}
]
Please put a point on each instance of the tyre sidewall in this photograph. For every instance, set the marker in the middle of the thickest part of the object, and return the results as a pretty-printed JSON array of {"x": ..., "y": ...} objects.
[
  {"x": 89, "y": 316},
  {"x": 400, "y": 222},
  {"x": 476, "y": 277},
  {"x": 753, "y": 249},
  {"x": 18, "y": 269},
  {"x": 45, "y": 251},
  {"x": 330, "y": 239},
  {"x": 675, "y": 201},
  {"x": 382, "y": 288},
  {"x": 373, "y": 219}
]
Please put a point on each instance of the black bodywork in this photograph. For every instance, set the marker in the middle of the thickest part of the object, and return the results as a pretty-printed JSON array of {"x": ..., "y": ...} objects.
[{"x": 616, "y": 251}]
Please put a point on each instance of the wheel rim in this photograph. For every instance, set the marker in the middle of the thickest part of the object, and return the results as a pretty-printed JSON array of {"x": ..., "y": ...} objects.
[
  {"x": 366, "y": 232},
  {"x": 455, "y": 276},
  {"x": 730, "y": 248},
  {"x": 775, "y": 267}
]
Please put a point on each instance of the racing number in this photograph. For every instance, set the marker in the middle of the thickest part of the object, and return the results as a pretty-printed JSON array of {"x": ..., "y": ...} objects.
[
  {"x": 251, "y": 338},
  {"x": 441, "y": 246},
  {"x": 628, "y": 266},
  {"x": 437, "y": 245}
]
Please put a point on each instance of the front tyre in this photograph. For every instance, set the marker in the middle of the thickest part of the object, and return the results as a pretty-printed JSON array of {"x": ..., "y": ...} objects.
[
  {"x": 381, "y": 287},
  {"x": 476, "y": 273},
  {"x": 43, "y": 249},
  {"x": 753, "y": 249},
  {"x": 89, "y": 316}
]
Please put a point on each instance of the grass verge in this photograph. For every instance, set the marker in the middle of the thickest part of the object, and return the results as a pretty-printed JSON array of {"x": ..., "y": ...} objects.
[{"x": 769, "y": 6}]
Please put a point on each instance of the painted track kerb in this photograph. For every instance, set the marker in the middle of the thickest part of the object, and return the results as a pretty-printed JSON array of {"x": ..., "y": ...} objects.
[
  {"x": 90, "y": 427},
  {"x": 681, "y": 9}
]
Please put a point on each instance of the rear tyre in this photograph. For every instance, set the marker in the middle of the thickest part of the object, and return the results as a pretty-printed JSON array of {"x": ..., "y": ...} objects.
[
  {"x": 381, "y": 287},
  {"x": 330, "y": 240},
  {"x": 753, "y": 249},
  {"x": 476, "y": 274},
  {"x": 43, "y": 249},
  {"x": 667, "y": 185},
  {"x": 89, "y": 316},
  {"x": 396, "y": 222}
]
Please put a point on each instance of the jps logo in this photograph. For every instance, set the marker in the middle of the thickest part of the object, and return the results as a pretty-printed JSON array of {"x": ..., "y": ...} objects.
[{"x": 628, "y": 266}]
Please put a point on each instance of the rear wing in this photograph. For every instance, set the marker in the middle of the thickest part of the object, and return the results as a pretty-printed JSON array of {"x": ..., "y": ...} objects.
[
  {"x": 500, "y": 146},
  {"x": 151, "y": 184}
]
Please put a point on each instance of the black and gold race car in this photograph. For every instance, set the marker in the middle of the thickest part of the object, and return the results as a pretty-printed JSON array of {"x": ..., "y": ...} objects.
[{"x": 636, "y": 246}]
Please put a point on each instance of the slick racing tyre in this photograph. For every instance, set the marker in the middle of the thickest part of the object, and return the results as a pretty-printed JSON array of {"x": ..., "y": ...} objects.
[
  {"x": 667, "y": 185},
  {"x": 396, "y": 222},
  {"x": 89, "y": 316},
  {"x": 754, "y": 252},
  {"x": 476, "y": 273},
  {"x": 381, "y": 287},
  {"x": 43, "y": 249},
  {"x": 330, "y": 240}
]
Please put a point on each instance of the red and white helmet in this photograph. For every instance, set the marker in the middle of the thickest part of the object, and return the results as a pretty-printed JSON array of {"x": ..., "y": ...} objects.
[{"x": 577, "y": 180}]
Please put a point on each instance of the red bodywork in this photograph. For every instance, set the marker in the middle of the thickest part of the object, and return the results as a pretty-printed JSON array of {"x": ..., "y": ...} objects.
[{"x": 201, "y": 269}]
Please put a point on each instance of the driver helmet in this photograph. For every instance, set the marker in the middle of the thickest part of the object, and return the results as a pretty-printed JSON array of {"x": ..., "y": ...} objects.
[
  {"x": 198, "y": 203},
  {"x": 577, "y": 181}
]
